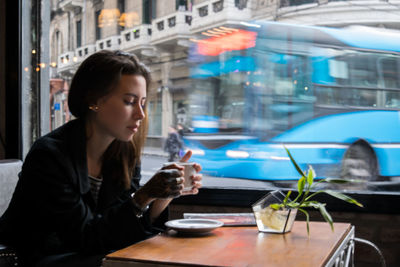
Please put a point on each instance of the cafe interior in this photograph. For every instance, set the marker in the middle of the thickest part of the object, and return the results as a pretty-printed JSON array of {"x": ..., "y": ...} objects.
[{"x": 360, "y": 235}]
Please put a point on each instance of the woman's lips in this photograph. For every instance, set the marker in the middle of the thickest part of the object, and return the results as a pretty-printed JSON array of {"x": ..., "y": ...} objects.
[{"x": 133, "y": 128}]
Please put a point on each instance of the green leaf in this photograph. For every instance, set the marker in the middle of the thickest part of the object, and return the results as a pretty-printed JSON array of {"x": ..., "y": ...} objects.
[
  {"x": 310, "y": 175},
  {"x": 326, "y": 215},
  {"x": 293, "y": 205},
  {"x": 307, "y": 220},
  {"x": 343, "y": 197},
  {"x": 335, "y": 180},
  {"x": 294, "y": 162},
  {"x": 275, "y": 206},
  {"x": 300, "y": 184},
  {"x": 287, "y": 197},
  {"x": 311, "y": 204}
]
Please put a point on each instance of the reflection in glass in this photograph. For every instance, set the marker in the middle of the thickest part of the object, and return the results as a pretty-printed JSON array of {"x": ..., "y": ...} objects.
[{"x": 317, "y": 98}]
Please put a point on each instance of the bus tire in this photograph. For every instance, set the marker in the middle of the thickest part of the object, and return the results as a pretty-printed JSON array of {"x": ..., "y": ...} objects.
[{"x": 360, "y": 163}]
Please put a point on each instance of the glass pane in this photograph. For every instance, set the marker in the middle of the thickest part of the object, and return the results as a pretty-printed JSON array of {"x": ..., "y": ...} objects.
[
  {"x": 390, "y": 70},
  {"x": 317, "y": 99},
  {"x": 240, "y": 91},
  {"x": 154, "y": 112}
]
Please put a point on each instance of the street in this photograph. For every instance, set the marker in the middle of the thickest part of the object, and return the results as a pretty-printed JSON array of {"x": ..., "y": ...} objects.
[{"x": 151, "y": 163}]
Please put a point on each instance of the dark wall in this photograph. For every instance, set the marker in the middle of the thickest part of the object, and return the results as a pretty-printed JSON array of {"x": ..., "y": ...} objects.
[
  {"x": 10, "y": 79},
  {"x": 2, "y": 77}
]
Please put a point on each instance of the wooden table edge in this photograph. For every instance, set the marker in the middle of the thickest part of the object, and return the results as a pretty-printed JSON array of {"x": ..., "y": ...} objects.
[{"x": 344, "y": 236}]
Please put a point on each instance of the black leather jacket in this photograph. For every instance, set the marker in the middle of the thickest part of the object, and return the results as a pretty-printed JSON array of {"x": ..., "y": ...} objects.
[{"x": 52, "y": 209}]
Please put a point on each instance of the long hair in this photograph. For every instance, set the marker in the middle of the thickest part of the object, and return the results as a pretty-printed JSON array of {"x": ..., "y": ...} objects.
[{"x": 97, "y": 77}]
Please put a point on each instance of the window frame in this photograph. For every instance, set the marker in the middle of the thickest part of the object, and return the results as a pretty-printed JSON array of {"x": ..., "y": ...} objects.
[{"x": 16, "y": 33}]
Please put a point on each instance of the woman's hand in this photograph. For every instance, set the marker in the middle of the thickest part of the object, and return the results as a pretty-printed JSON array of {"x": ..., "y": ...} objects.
[
  {"x": 197, "y": 179},
  {"x": 166, "y": 183}
]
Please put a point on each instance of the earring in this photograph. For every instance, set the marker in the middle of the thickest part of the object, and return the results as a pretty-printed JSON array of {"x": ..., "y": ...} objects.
[{"x": 94, "y": 108}]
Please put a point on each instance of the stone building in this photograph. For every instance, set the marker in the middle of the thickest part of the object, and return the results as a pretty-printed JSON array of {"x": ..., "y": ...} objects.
[{"x": 159, "y": 32}]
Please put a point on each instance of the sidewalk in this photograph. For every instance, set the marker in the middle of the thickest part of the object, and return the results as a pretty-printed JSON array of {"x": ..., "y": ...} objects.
[{"x": 154, "y": 151}]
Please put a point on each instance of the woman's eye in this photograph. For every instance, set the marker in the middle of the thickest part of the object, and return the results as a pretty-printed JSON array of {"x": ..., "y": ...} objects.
[
  {"x": 129, "y": 102},
  {"x": 134, "y": 102}
]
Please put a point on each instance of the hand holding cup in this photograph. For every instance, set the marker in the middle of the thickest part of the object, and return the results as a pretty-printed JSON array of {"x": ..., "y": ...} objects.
[
  {"x": 192, "y": 179},
  {"x": 166, "y": 183}
]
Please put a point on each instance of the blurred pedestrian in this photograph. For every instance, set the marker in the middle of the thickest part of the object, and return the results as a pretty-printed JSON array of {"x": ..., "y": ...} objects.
[
  {"x": 173, "y": 144},
  {"x": 180, "y": 130}
]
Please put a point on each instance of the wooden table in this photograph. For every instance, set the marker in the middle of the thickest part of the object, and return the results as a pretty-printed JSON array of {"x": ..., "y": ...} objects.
[{"x": 241, "y": 246}]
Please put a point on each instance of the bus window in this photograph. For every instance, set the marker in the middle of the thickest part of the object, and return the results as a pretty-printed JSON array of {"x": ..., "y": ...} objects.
[
  {"x": 286, "y": 96},
  {"x": 230, "y": 101},
  {"x": 362, "y": 70},
  {"x": 389, "y": 70},
  {"x": 393, "y": 99},
  {"x": 338, "y": 69},
  {"x": 389, "y": 67},
  {"x": 202, "y": 97},
  {"x": 356, "y": 78}
]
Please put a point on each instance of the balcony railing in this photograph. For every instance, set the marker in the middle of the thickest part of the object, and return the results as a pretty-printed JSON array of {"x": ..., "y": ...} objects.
[
  {"x": 174, "y": 25},
  {"x": 82, "y": 52},
  {"x": 136, "y": 38},
  {"x": 66, "y": 60},
  {"x": 216, "y": 12},
  {"x": 110, "y": 43}
]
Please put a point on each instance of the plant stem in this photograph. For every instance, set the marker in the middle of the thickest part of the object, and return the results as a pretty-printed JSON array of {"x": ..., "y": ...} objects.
[
  {"x": 315, "y": 193},
  {"x": 306, "y": 193}
]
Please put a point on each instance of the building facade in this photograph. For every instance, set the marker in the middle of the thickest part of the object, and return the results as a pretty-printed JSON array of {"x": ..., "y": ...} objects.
[{"x": 159, "y": 33}]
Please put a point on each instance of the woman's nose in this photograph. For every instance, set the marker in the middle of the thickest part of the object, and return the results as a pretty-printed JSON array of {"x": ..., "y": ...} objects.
[{"x": 139, "y": 112}]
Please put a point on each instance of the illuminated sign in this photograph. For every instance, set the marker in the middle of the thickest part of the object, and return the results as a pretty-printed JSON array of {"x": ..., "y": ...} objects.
[{"x": 236, "y": 39}]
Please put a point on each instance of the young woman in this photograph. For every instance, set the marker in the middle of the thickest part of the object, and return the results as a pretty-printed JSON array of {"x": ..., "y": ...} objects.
[{"x": 78, "y": 195}]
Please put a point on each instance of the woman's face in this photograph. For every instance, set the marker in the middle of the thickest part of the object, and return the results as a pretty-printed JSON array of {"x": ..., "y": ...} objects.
[{"x": 120, "y": 113}]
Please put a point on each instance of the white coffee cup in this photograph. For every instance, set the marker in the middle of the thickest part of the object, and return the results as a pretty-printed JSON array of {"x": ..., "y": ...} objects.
[{"x": 188, "y": 172}]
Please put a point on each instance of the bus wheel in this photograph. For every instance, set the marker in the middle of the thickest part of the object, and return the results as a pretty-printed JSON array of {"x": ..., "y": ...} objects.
[{"x": 360, "y": 163}]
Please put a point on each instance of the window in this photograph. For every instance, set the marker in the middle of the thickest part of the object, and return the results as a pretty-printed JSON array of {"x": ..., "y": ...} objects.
[
  {"x": 149, "y": 11},
  {"x": 43, "y": 42},
  {"x": 79, "y": 33},
  {"x": 58, "y": 45},
  {"x": 97, "y": 24},
  {"x": 121, "y": 8},
  {"x": 390, "y": 68},
  {"x": 183, "y": 5},
  {"x": 268, "y": 93}
]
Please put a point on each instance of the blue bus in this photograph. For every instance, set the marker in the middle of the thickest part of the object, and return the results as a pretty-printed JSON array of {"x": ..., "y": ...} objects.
[{"x": 329, "y": 95}]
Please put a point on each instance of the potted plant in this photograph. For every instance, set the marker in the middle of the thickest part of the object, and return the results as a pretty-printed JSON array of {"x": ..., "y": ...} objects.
[{"x": 275, "y": 212}]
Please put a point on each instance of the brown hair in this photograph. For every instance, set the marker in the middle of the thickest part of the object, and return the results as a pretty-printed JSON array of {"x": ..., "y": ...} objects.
[{"x": 96, "y": 77}]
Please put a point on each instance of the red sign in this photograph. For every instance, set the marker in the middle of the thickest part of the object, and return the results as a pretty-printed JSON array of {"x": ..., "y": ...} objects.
[{"x": 237, "y": 40}]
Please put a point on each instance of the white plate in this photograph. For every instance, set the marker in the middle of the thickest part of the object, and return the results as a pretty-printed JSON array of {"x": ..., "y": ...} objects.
[{"x": 194, "y": 225}]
